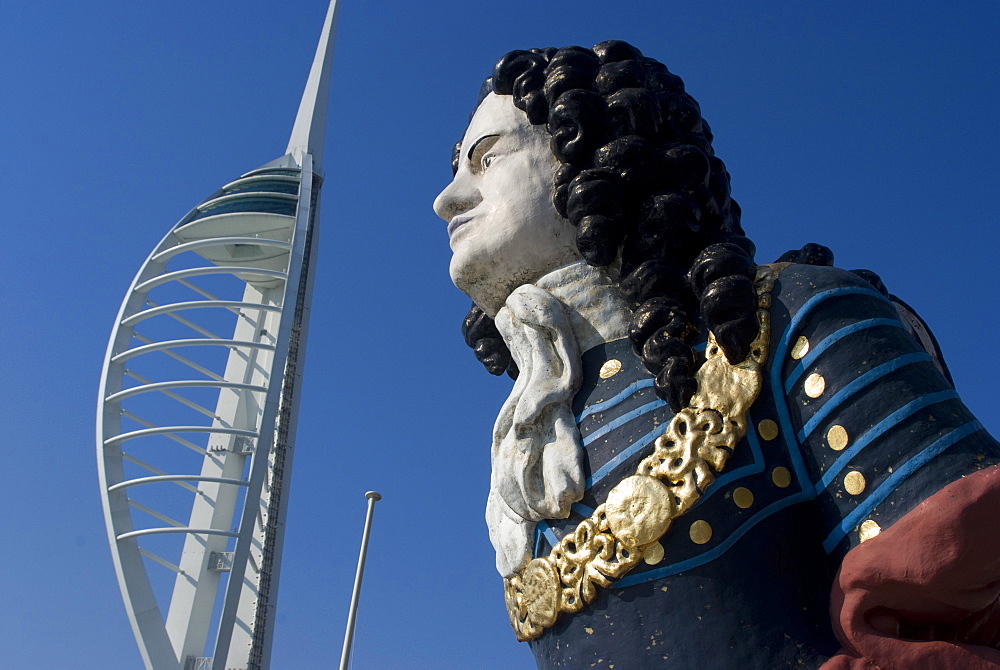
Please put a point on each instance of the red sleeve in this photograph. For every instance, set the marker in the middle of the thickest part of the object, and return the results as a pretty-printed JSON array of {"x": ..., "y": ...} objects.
[{"x": 924, "y": 592}]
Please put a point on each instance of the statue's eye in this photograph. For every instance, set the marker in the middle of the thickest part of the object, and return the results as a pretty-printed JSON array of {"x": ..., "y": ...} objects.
[{"x": 480, "y": 156}]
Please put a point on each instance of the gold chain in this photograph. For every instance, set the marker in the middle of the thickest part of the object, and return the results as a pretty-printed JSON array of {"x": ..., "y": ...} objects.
[{"x": 638, "y": 511}]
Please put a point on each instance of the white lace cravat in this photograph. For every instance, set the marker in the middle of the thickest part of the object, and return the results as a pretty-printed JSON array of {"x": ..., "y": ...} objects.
[{"x": 536, "y": 455}]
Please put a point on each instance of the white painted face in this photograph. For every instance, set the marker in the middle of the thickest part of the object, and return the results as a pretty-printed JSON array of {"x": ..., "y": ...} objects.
[{"x": 504, "y": 230}]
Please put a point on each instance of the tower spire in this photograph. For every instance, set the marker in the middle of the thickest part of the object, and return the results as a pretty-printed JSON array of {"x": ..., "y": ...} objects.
[{"x": 310, "y": 122}]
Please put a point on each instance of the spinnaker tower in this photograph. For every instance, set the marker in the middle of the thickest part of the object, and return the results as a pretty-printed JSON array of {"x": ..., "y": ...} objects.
[{"x": 197, "y": 407}]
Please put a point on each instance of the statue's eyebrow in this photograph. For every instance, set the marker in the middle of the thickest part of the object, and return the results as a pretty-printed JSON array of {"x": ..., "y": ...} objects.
[{"x": 476, "y": 146}]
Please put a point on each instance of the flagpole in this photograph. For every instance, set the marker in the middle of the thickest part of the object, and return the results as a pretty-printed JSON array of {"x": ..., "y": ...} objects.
[{"x": 372, "y": 496}]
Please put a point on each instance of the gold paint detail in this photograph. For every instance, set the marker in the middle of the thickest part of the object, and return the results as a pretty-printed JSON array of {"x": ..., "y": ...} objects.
[
  {"x": 701, "y": 531},
  {"x": 781, "y": 477},
  {"x": 815, "y": 385},
  {"x": 610, "y": 368},
  {"x": 854, "y": 482},
  {"x": 800, "y": 348},
  {"x": 767, "y": 429},
  {"x": 639, "y": 510},
  {"x": 837, "y": 438},
  {"x": 626, "y": 528},
  {"x": 743, "y": 497},
  {"x": 868, "y": 530},
  {"x": 653, "y": 554}
]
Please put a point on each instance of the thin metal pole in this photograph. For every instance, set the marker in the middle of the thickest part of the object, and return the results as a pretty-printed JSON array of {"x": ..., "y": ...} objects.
[{"x": 372, "y": 496}]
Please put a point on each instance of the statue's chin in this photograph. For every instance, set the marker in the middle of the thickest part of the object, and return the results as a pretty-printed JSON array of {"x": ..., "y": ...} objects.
[
  {"x": 481, "y": 282},
  {"x": 489, "y": 281}
]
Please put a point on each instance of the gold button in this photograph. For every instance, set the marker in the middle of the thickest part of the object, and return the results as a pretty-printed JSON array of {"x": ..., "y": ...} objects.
[
  {"x": 701, "y": 532},
  {"x": 653, "y": 554},
  {"x": 610, "y": 368},
  {"x": 800, "y": 349},
  {"x": 836, "y": 437},
  {"x": 815, "y": 385},
  {"x": 781, "y": 477},
  {"x": 868, "y": 530},
  {"x": 854, "y": 482},
  {"x": 743, "y": 497},
  {"x": 767, "y": 429}
]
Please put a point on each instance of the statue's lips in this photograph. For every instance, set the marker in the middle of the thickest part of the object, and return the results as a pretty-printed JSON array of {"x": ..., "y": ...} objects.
[{"x": 457, "y": 223}]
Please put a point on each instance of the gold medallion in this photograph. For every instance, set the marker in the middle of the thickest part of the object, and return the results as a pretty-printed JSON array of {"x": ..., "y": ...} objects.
[{"x": 639, "y": 510}]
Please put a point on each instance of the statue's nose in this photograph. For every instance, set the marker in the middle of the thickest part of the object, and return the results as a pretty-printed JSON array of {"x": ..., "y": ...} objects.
[{"x": 456, "y": 198}]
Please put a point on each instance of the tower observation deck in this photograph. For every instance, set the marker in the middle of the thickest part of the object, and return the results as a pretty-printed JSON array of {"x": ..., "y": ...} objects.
[{"x": 197, "y": 407}]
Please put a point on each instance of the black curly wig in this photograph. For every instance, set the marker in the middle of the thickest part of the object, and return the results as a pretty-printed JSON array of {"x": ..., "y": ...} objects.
[{"x": 640, "y": 182}]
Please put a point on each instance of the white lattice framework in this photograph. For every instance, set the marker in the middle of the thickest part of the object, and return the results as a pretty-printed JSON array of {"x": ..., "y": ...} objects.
[{"x": 197, "y": 407}]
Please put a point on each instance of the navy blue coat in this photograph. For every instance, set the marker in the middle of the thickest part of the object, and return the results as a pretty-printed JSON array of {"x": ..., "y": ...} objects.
[{"x": 883, "y": 430}]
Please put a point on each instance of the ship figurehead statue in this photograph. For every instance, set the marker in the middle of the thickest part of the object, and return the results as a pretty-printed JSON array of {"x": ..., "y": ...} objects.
[{"x": 703, "y": 462}]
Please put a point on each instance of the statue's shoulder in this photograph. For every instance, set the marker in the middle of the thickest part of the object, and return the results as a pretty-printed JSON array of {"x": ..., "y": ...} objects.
[
  {"x": 797, "y": 285},
  {"x": 861, "y": 395},
  {"x": 814, "y": 307},
  {"x": 815, "y": 301}
]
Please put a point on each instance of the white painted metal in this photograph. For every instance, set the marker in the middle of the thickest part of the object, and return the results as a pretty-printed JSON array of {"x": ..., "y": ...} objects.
[
  {"x": 310, "y": 123},
  {"x": 352, "y": 614},
  {"x": 197, "y": 407}
]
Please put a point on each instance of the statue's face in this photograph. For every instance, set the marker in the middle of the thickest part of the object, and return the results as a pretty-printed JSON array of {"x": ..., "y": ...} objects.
[{"x": 504, "y": 230}]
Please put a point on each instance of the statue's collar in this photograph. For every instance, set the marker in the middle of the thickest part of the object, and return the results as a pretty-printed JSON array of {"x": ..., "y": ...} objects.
[{"x": 597, "y": 311}]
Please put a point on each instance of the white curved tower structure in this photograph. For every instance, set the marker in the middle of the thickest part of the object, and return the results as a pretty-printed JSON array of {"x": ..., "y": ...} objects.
[{"x": 197, "y": 407}]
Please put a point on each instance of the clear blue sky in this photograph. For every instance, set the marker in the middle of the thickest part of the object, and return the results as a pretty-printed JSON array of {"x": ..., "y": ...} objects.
[{"x": 868, "y": 127}]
